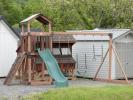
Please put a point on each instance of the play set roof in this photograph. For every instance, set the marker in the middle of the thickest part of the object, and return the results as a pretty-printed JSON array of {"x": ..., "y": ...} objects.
[{"x": 39, "y": 17}]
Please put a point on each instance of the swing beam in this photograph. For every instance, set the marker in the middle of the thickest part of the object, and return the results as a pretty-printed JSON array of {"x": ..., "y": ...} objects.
[{"x": 67, "y": 33}]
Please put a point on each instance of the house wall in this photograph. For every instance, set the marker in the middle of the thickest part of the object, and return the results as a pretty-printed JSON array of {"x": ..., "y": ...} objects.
[
  {"x": 124, "y": 47},
  {"x": 80, "y": 49},
  {"x": 8, "y": 46}
]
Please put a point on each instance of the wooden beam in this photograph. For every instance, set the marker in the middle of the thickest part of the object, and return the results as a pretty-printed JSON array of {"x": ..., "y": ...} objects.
[
  {"x": 69, "y": 33},
  {"x": 50, "y": 37},
  {"x": 42, "y": 48},
  {"x": 29, "y": 59},
  {"x": 42, "y": 43},
  {"x": 28, "y": 26},
  {"x": 23, "y": 44},
  {"x": 113, "y": 81},
  {"x": 38, "y": 33},
  {"x": 22, "y": 29},
  {"x": 24, "y": 70},
  {"x": 81, "y": 33}
]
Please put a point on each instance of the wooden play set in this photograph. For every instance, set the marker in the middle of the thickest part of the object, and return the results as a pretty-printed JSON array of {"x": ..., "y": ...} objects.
[{"x": 30, "y": 69}]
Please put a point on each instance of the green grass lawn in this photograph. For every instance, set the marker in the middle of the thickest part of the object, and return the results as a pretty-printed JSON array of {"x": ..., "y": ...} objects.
[{"x": 86, "y": 93}]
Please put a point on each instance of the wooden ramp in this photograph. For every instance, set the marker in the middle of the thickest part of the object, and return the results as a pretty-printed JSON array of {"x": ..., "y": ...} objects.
[{"x": 15, "y": 67}]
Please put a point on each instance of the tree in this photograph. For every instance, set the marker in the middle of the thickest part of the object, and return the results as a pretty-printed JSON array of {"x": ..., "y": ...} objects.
[{"x": 72, "y": 14}]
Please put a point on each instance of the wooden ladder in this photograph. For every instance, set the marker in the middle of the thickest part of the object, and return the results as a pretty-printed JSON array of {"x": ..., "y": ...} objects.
[{"x": 16, "y": 65}]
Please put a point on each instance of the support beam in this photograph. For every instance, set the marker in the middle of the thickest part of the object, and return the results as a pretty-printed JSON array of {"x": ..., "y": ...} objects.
[
  {"x": 113, "y": 81},
  {"x": 29, "y": 51},
  {"x": 29, "y": 59},
  {"x": 22, "y": 29},
  {"x": 50, "y": 37},
  {"x": 42, "y": 48},
  {"x": 68, "y": 33},
  {"x": 23, "y": 43},
  {"x": 28, "y": 26},
  {"x": 42, "y": 43},
  {"x": 82, "y": 33},
  {"x": 24, "y": 69}
]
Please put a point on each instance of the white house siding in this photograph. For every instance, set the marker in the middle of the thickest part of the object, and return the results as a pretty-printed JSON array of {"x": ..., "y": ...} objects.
[
  {"x": 82, "y": 48},
  {"x": 8, "y": 46},
  {"x": 124, "y": 48}
]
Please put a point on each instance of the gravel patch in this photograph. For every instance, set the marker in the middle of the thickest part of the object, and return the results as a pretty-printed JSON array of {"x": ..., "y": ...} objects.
[{"x": 15, "y": 92}]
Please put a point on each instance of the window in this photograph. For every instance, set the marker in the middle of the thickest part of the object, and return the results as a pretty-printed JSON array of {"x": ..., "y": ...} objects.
[
  {"x": 66, "y": 51},
  {"x": 56, "y": 51}
]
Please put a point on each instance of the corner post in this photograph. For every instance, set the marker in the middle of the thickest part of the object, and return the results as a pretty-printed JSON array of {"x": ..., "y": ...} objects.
[
  {"x": 29, "y": 51},
  {"x": 50, "y": 37},
  {"x": 22, "y": 29},
  {"x": 42, "y": 48},
  {"x": 22, "y": 37}
]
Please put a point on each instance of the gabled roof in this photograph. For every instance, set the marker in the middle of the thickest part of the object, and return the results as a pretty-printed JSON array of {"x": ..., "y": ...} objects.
[
  {"x": 2, "y": 18},
  {"x": 116, "y": 34},
  {"x": 41, "y": 18}
]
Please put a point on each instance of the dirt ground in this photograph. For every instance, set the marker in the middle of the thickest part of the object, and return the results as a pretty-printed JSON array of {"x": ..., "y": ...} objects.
[{"x": 15, "y": 92}]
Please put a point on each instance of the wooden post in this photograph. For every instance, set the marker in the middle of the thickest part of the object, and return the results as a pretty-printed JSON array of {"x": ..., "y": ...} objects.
[
  {"x": 29, "y": 51},
  {"x": 23, "y": 44},
  {"x": 110, "y": 56},
  {"x": 22, "y": 37},
  {"x": 50, "y": 37},
  {"x": 29, "y": 59},
  {"x": 23, "y": 50},
  {"x": 23, "y": 70},
  {"x": 42, "y": 48},
  {"x": 42, "y": 42},
  {"x": 28, "y": 26},
  {"x": 22, "y": 29}
]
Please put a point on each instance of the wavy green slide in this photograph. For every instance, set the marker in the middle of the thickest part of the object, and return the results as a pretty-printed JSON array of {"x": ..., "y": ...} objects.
[{"x": 53, "y": 68}]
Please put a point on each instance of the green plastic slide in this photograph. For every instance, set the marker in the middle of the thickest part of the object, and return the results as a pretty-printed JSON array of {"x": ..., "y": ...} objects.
[{"x": 53, "y": 68}]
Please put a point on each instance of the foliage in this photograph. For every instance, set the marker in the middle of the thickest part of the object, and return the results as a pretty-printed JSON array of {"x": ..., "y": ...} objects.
[
  {"x": 72, "y": 14},
  {"x": 86, "y": 93}
]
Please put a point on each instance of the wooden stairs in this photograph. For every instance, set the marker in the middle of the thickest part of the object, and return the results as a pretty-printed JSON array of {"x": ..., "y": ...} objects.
[{"x": 15, "y": 67}]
